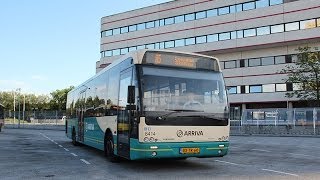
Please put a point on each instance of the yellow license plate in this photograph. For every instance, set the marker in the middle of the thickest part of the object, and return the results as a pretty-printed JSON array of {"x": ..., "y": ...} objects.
[{"x": 189, "y": 150}]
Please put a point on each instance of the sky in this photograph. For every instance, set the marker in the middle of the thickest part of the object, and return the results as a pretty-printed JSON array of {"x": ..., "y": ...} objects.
[{"x": 47, "y": 45}]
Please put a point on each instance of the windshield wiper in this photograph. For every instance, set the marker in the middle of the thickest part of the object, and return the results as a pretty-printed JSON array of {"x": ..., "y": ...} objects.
[
  {"x": 209, "y": 117},
  {"x": 163, "y": 117}
]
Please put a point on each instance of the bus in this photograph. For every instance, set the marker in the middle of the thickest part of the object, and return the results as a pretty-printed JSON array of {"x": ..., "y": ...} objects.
[
  {"x": 1, "y": 116},
  {"x": 152, "y": 104}
]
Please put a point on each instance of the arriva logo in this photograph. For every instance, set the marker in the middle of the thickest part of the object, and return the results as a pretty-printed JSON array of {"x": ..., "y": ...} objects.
[{"x": 180, "y": 133}]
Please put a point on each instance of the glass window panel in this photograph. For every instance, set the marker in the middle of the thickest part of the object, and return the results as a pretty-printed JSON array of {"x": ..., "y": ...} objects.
[
  {"x": 267, "y": 61},
  {"x": 248, "y": 6},
  {"x": 132, "y": 28},
  {"x": 108, "y": 53},
  {"x": 150, "y": 46},
  {"x": 212, "y": 12},
  {"x": 141, "y": 26},
  {"x": 268, "y": 88},
  {"x": 161, "y": 22},
  {"x": 189, "y": 17},
  {"x": 224, "y": 36},
  {"x": 116, "y": 52},
  {"x": 255, "y": 89},
  {"x": 179, "y": 43},
  {"x": 212, "y": 38},
  {"x": 277, "y": 28},
  {"x": 240, "y": 34},
  {"x": 280, "y": 59},
  {"x": 318, "y": 22},
  {"x": 190, "y": 41},
  {"x": 141, "y": 47},
  {"x": 297, "y": 86},
  {"x": 233, "y": 35},
  {"x": 249, "y": 32},
  {"x": 281, "y": 87},
  {"x": 239, "y": 7},
  {"x": 150, "y": 24},
  {"x": 124, "y": 50},
  {"x": 201, "y": 39},
  {"x": 157, "y": 23},
  {"x": 157, "y": 45},
  {"x": 263, "y": 30},
  {"x": 108, "y": 33},
  {"x": 308, "y": 24},
  {"x": 294, "y": 58},
  {"x": 201, "y": 15},
  {"x": 229, "y": 64},
  {"x": 124, "y": 30},
  {"x": 292, "y": 26},
  {"x": 169, "y": 21},
  {"x": 169, "y": 44},
  {"x": 232, "y": 9},
  {"x": 224, "y": 10},
  {"x": 262, "y": 3},
  {"x": 254, "y": 62},
  {"x": 274, "y": 2},
  {"x": 232, "y": 90},
  {"x": 132, "y": 48},
  {"x": 161, "y": 45},
  {"x": 116, "y": 31},
  {"x": 179, "y": 19}
]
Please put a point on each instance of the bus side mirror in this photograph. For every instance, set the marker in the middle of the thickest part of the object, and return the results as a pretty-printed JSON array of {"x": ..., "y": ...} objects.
[{"x": 131, "y": 94}]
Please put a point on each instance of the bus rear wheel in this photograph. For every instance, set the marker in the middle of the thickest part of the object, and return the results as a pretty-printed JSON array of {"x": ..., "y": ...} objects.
[{"x": 109, "y": 149}]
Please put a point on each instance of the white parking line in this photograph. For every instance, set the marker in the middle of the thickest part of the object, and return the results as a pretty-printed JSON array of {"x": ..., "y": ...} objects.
[
  {"x": 262, "y": 150},
  {"x": 66, "y": 149},
  {"x": 60, "y": 146},
  {"x": 74, "y": 154},
  {"x": 280, "y": 172},
  {"x": 228, "y": 163},
  {"x": 84, "y": 161}
]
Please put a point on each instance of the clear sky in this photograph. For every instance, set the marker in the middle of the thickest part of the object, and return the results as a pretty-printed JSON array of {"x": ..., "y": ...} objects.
[{"x": 52, "y": 44}]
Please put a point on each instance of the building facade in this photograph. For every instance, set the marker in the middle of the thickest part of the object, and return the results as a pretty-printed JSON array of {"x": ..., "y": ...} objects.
[{"x": 254, "y": 41}]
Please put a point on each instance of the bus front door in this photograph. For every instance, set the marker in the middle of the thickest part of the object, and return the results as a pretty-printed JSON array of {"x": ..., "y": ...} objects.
[{"x": 123, "y": 120}]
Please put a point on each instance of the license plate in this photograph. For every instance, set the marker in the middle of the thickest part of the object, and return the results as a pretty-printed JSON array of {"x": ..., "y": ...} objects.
[{"x": 189, "y": 150}]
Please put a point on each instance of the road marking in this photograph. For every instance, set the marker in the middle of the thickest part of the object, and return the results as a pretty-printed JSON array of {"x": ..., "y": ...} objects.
[
  {"x": 55, "y": 142},
  {"x": 262, "y": 150},
  {"x": 60, "y": 146},
  {"x": 302, "y": 155},
  {"x": 280, "y": 172},
  {"x": 74, "y": 154},
  {"x": 66, "y": 149},
  {"x": 228, "y": 162},
  {"x": 84, "y": 161}
]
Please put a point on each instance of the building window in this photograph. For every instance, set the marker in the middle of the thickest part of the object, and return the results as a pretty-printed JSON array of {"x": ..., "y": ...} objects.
[
  {"x": 233, "y": 35},
  {"x": 141, "y": 26},
  {"x": 108, "y": 33},
  {"x": 239, "y": 8},
  {"x": 263, "y": 30},
  {"x": 280, "y": 59},
  {"x": 150, "y": 46},
  {"x": 297, "y": 86},
  {"x": 224, "y": 10},
  {"x": 157, "y": 45},
  {"x": 243, "y": 89},
  {"x": 116, "y": 52},
  {"x": 267, "y": 61},
  {"x": 240, "y": 34},
  {"x": 201, "y": 39},
  {"x": 224, "y": 36},
  {"x": 169, "y": 21},
  {"x": 232, "y": 9},
  {"x": 212, "y": 12},
  {"x": 108, "y": 53},
  {"x": 132, "y": 48},
  {"x": 289, "y": 86},
  {"x": 249, "y": 32},
  {"x": 169, "y": 44},
  {"x": 212, "y": 38},
  {"x": 132, "y": 28},
  {"x": 275, "y": 2},
  {"x": 190, "y": 41},
  {"x": 141, "y": 47},
  {"x": 318, "y": 22},
  {"x": 277, "y": 28},
  {"x": 281, "y": 87},
  {"x": 161, "y": 22},
  {"x": 124, "y": 30},
  {"x": 243, "y": 62},
  {"x": 268, "y": 88},
  {"x": 124, "y": 51},
  {"x": 308, "y": 24},
  {"x": 179, "y": 19},
  {"x": 262, "y": 3},
  {"x": 232, "y": 90},
  {"x": 248, "y": 6},
  {"x": 179, "y": 42},
  {"x": 288, "y": 59},
  {"x": 255, "y": 89},
  {"x": 150, "y": 25},
  {"x": 201, "y": 15},
  {"x": 116, "y": 31},
  {"x": 229, "y": 64},
  {"x": 157, "y": 23},
  {"x": 292, "y": 26},
  {"x": 294, "y": 58},
  {"x": 189, "y": 17},
  {"x": 254, "y": 62}
]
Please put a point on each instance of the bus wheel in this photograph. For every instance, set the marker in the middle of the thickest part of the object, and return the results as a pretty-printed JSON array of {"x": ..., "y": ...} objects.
[
  {"x": 109, "y": 149},
  {"x": 74, "y": 141}
]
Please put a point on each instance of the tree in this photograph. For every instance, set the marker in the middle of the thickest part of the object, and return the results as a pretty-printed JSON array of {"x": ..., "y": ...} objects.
[
  {"x": 305, "y": 73},
  {"x": 59, "y": 99}
]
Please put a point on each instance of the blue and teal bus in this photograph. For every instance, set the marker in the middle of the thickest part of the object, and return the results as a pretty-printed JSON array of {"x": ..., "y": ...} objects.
[{"x": 152, "y": 104}]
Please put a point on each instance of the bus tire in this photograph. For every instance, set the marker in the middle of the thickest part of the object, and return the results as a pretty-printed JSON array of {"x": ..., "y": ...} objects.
[
  {"x": 74, "y": 140},
  {"x": 109, "y": 148}
]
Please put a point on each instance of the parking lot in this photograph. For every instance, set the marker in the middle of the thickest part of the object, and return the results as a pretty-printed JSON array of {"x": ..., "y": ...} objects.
[{"x": 48, "y": 154}]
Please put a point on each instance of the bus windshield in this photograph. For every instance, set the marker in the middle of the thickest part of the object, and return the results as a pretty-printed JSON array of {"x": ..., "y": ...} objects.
[{"x": 184, "y": 97}]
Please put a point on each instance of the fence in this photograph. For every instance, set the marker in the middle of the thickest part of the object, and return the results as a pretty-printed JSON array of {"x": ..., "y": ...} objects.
[{"x": 298, "y": 121}]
